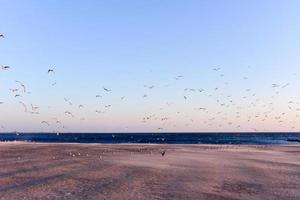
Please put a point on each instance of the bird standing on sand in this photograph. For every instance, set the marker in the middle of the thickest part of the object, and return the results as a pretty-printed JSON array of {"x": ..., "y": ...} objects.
[{"x": 163, "y": 153}]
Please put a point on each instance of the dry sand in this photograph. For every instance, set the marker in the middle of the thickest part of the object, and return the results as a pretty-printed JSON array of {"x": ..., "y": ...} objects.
[{"x": 79, "y": 171}]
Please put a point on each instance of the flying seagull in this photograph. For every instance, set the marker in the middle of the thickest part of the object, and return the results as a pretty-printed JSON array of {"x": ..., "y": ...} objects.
[
  {"x": 1, "y": 36},
  {"x": 34, "y": 107},
  {"x": 22, "y": 85},
  {"x": 5, "y": 67},
  {"x": 51, "y": 71},
  {"x": 178, "y": 77},
  {"x": 216, "y": 69},
  {"x": 13, "y": 90},
  {"x": 45, "y": 122},
  {"x": 23, "y": 104},
  {"x": 69, "y": 113},
  {"x": 107, "y": 90}
]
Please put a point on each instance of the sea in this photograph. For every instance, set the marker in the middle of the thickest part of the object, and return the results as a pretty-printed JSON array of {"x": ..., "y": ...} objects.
[{"x": 155, "y": 138}]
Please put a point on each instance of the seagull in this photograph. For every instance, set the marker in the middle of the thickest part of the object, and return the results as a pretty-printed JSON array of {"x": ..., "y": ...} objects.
[
  {"x": 200, "y": 108},
  {"x": 45, "y": 122},
  {"x": 68, "y": 101},
  {"x": 149, "y": 87},
  {"x": 23, "y": 104},
  {"x": 17, "y": 95},
  {"x": 35, "y": 113},
  {"x": 80, "y": 106},
  {"x": 22, "y": 85},
  {"x": 51, "y": 71},
  {"x": 163, "y": 153},
  {"x": 5, "y": 67},
  {"x": 14, "y": 90},
  {"x": 107, "y": 90},
  {"x": 178, "y": 77},
  {"x": 1, "y": 36},
  {"x": 34, "y": 107},
  {"x": 274, "y": 85},
  {"x": 216, "y": 69},
  {"x": 99, "y": 111},
  {"x": 69, "y": 113},
  {"x": 284, "y": 86}
]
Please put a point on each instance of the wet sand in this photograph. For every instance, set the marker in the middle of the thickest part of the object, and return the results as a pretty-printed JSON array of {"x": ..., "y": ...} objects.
[{"x": 94, "y": 171}]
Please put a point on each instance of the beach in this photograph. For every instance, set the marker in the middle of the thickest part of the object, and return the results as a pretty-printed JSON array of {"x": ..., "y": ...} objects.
[{"x": 131, "y": 171}]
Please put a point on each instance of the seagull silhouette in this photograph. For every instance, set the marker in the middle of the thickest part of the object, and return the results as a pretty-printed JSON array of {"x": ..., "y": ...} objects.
[
  {"x": 24, "y": 105},
  {"x": 45, "y": 122},
  {"x": 107, "y": 90},
  {"x": 22, "y": 85},
  {"x": 51, "y": 71},
  {"x": 5, "y": 67}
]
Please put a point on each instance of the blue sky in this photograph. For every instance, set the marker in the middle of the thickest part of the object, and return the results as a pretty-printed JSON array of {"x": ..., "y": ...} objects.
[{"x": 124, "y": 45}]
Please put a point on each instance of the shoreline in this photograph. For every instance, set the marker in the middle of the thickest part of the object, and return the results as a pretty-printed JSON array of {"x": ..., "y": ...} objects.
[{"x": 139, "y": 171}]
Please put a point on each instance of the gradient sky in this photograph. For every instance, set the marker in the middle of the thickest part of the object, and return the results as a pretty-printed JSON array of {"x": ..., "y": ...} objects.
[{"x": 124, "y": 45}]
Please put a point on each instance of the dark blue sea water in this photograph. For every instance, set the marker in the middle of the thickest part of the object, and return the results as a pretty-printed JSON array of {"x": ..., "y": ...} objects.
[{"x": 155, "y": 138}]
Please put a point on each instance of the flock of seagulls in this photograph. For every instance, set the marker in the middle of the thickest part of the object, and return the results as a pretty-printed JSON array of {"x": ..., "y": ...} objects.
[{"x": 224, "y": 110}]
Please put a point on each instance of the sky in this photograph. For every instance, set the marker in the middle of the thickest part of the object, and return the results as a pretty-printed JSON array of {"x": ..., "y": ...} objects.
[{"x": 129, "y": 46}]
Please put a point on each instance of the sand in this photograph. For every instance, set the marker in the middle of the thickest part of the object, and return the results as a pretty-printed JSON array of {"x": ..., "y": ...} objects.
[{"x": 95, "y": 171}]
